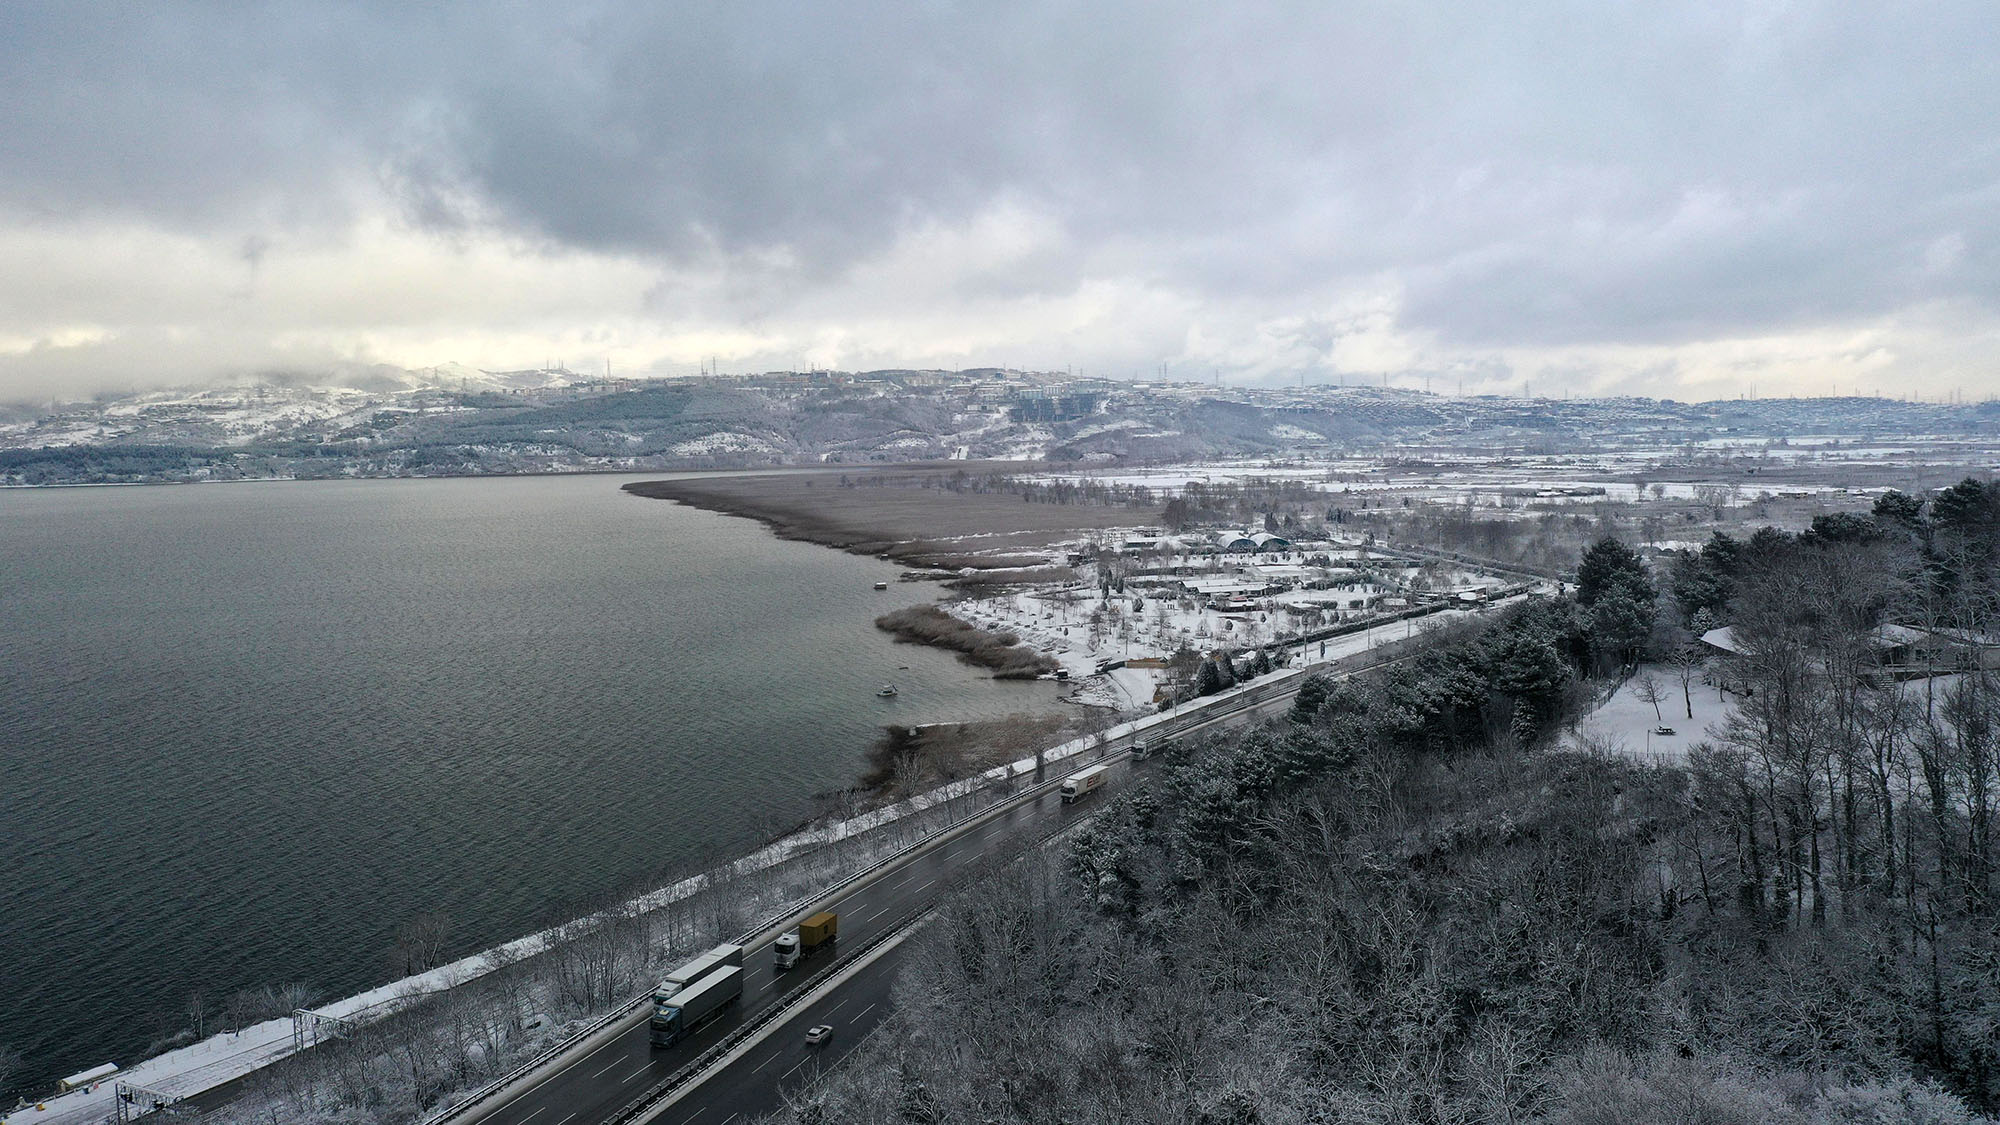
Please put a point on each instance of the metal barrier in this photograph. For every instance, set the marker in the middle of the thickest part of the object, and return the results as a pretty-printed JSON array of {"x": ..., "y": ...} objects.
[
  {"x": 799, "y": 906},
  {"x": 1214, "y": 708},
  {"x": 770, "y": 1014},
  {"x": 803, "y": 994}
]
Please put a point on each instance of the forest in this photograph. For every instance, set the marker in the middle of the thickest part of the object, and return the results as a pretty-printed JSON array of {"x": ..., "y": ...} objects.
[{"x": 1414, "y": 899}]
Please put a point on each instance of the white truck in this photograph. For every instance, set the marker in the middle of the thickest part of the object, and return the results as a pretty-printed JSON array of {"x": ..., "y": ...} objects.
[
  {"x": 674, "y": 983},
  {"x": 695, "y": 1005},
  {"x": 1078, "y": 784}
]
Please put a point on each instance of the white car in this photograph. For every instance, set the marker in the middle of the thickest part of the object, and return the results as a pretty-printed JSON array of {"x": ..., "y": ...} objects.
[{"x": 819, "y": 1033}]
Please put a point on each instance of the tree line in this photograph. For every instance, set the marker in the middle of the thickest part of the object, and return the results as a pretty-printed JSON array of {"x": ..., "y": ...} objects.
[{"x": 1413, "y": 899}]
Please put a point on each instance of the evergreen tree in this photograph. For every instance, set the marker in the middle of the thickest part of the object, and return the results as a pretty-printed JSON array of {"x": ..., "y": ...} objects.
[
  {"x": 1313, "y": 691},
  {"x": 1899, "y": 511},
  {"x": 1697, "y": 586},
  {"x": 1617, "y": 597},
  {"x": 1207, "y": 679},
  {"x": 1523, "y": 664},
  {"x": 1606, "y": 565}
]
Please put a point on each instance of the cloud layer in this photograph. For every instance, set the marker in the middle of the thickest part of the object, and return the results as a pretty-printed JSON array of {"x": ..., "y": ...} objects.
[{"x": 1669, "y": 199}]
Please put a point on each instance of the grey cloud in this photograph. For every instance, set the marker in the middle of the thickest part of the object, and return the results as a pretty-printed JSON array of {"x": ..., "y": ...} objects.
[{"x": 1527, "y": 173}]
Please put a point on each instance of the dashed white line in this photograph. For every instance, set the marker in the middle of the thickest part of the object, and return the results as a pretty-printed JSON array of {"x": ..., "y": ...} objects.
[
  {"x": 531, "y": 1117},
  {"x": 606, "y": 1066}
]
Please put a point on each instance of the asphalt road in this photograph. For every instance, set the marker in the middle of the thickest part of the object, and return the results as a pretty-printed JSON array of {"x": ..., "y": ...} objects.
[
  {"x": 595, "y": 1086},
  {"x": 592, "y": 1088},
  {"x": 783, "y": 1062}
]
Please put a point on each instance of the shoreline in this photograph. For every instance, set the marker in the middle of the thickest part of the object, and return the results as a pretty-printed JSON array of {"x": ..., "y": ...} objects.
[
  {"x": 1003, "y": 654},
  {"x": 919, "y": 514}
]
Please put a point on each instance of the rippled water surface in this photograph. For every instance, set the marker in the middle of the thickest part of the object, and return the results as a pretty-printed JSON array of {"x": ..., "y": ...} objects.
[{"x": 246, "y": 731}]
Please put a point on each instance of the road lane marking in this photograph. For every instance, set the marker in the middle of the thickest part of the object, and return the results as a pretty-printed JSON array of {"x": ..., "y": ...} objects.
[
  {"x": 531, "y": 1117},
  {"x": 736, "y": 1054},
  {"x": 566, "y": 1120},
  {"x": 762, "y": 1065},
  {"x": 643, "y": 1068},
  {"x": 835, "y": 1008},
  {"x": 607, "y": 1066},
  {"x": 863, "y": 1012}
]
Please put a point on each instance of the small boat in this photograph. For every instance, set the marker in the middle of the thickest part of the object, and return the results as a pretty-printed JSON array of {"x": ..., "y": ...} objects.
[
  {"x": 881, "y": 585},
  {"x": 887, "y": 690}
]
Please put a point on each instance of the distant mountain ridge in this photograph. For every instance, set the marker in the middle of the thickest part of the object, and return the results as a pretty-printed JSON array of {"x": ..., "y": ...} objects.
[{"x": 450, "y": 420}]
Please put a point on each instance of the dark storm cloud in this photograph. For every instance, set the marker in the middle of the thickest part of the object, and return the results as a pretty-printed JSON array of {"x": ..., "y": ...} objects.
[{"x": 1523, "y": 174}]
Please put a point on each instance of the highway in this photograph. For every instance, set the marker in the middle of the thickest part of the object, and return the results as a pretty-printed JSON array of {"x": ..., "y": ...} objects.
[
  {"x": 589, "y": 1088},
  {"x": 782, "y": 1062}
]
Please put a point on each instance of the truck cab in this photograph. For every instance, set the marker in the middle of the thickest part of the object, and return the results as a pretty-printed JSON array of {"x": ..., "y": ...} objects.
[
  {"x": 666, "y": 994},
  {"x": 813, "y": 934},
  {"x": 686, "y": 1010}
]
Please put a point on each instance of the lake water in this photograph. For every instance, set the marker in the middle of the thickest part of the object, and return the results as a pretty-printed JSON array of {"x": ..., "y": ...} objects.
[{"x": 247, "y": 731}]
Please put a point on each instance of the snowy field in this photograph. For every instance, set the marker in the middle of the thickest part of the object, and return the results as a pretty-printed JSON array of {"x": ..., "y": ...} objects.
[
  {"x": 1625, "y": 723},
  {"x": 1081, "y": 628}
]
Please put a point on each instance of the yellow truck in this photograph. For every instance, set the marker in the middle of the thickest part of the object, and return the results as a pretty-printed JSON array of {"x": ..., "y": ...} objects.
[{"x": 813, "y": 934}]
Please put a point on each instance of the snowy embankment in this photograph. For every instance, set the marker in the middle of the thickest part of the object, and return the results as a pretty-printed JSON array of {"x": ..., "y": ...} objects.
[{"x": 219, "y": 1059}]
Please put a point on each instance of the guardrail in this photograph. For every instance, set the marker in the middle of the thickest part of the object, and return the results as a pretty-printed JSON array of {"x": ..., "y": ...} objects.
[
  {"x": 798, "y": 906},
  {"x": 803, "y": 994},
  {"x": 1174, "y": 722},
  {"x": 768, "y": 1015},
  {"x": 499, "y": 1085}
]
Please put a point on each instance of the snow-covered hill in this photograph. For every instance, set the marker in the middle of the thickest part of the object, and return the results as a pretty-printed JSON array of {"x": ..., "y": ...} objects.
[{"x": 382, "y": 421}]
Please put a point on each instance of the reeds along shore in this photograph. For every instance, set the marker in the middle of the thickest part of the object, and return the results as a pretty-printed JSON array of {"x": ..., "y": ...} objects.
[
  {"x": 1002, "y": 652},
  {"x": 900, "y": 520}
]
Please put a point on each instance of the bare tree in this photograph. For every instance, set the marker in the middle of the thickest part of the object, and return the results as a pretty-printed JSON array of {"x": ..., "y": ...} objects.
[
  {"x": 1717, "y": 498},
  {"x": 1687, "y": 660},
  {"x": 420, "y": 943},
  {"x": 247, "y": 1006},
  {"x": 1649, "y": 691}
]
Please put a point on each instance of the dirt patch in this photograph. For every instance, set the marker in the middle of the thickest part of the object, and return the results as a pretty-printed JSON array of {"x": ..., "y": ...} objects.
[
  {"x": 923, "y": 515},
  {"x": 1002, "y": 652}
]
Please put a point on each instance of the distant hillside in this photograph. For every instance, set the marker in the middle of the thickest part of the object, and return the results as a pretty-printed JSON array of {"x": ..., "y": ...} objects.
[{"x": 455, "y": 420}]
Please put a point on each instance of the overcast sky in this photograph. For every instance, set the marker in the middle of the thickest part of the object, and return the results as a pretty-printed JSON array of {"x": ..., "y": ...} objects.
[{"x": 1667, "y": 199}]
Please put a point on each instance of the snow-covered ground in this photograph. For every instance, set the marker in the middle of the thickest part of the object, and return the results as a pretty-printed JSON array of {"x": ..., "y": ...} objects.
[
  {"x": 1625, "y": 723},
  {"x": 1082, "y": 626},
  {"x": 722, "y": 441}
]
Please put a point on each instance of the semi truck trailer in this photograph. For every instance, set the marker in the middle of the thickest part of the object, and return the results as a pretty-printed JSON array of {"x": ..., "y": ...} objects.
[
  {"x": 813, "y": 934},
  {"x": 695, "y": 1005},
  {"x": 721, "y": 957},
  {"x": 1077, "y": 784}
]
